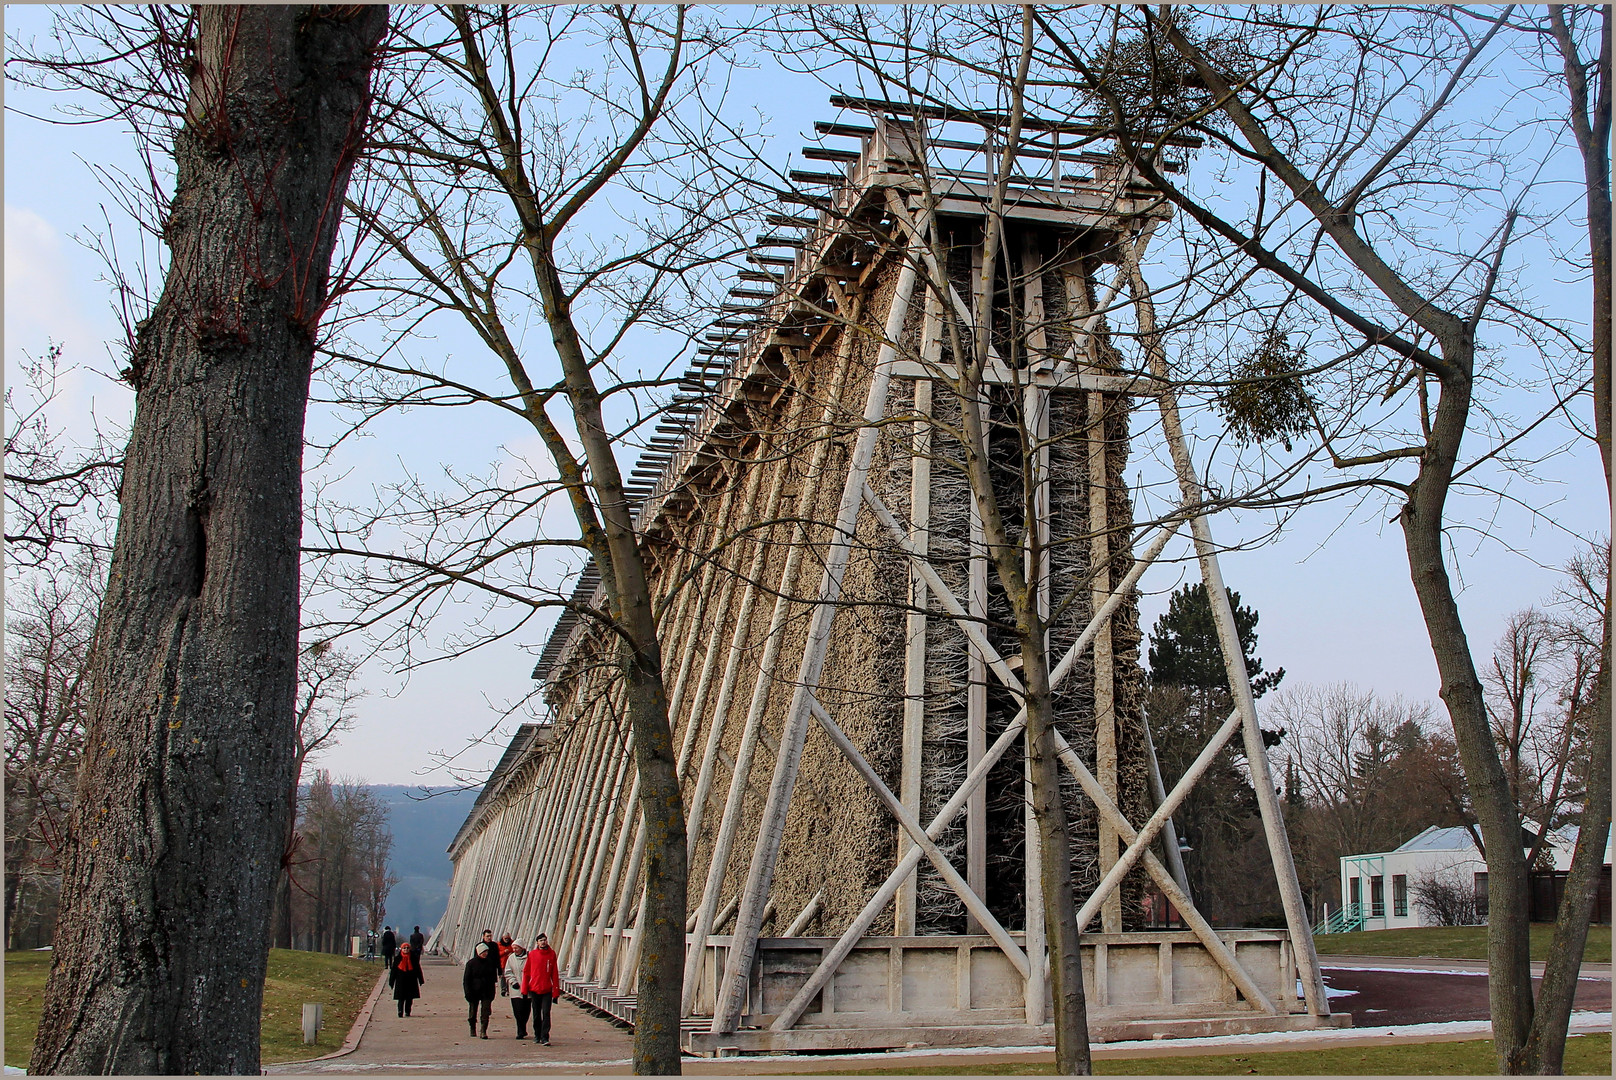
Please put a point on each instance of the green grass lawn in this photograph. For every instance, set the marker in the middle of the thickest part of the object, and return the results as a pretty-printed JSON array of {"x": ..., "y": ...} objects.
[
  {"x": 1450, "y": 943},
  {"x": 340, "y": 984},
  {"x": 1586, "y": 1055}
]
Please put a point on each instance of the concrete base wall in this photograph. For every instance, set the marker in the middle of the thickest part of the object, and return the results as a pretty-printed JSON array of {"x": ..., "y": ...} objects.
[{"x": 963, "y": 991}]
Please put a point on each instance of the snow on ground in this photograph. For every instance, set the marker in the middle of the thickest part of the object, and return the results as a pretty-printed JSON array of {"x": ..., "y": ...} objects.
[
  {"x": 1330, "y": 992},
  {"x": 1409, "y": 971}
]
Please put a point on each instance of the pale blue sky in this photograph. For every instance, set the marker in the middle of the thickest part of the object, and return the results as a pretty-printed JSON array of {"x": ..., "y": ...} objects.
[{"x": 1333, "y": 591}]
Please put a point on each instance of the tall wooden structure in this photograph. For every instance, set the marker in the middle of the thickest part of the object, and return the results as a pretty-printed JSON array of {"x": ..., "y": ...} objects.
[{"x": 864, "y": 864}]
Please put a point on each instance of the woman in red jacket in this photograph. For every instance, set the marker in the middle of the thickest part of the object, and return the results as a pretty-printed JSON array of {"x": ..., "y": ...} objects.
[{"x": 541, "y": 983}]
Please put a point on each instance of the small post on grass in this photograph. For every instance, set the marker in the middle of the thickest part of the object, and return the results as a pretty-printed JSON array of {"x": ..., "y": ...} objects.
[{"x": 313, "y": 1020}]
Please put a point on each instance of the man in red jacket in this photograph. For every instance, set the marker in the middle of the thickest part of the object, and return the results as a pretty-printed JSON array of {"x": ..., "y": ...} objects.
[{"x": 541, "y": 982}]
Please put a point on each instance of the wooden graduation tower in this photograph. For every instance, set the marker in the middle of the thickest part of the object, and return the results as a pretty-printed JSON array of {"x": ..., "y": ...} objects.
[{"x": 835, "y": 642}]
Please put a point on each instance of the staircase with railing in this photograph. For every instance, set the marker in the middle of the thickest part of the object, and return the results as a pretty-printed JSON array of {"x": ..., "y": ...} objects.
[{"x": 1343, "y": 920}]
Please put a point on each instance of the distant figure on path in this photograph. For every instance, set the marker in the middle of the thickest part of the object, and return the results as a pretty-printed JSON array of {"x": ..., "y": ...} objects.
[
  {"x": 541, "y": 982},
  {"x": 506, "y": 947},
  {"x": 511, "y": 973},
  {"x": 404, "y": 975},
  {"x": 389, "y": 944},
  {"x": 479, "y": 981},
  {"x": 417, "y": 943}
]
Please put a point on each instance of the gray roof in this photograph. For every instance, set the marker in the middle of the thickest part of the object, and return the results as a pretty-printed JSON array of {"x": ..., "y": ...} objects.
[{"x": 1454, "y": 838}]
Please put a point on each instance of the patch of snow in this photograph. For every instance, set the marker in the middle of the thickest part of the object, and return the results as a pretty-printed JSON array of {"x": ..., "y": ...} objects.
[
  {"x": 1410, "y": 971},
  {"x": 1330, "y": 992}
]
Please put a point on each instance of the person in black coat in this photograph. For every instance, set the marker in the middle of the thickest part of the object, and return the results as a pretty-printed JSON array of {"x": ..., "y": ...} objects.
[
  {"x": 481, "y": 982},
  {"x": 389, "y": 943},
  {"x": 417, "y": 942},
  {"x": 405, "y": 977}
]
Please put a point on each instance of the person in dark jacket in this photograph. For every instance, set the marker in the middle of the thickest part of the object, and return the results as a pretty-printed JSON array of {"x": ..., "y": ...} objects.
[
  {"x": 389, "y": 944},
  {"x": 417, "y": 943},
  {"x": 541, "y": 984},
  {"x": 405, "y": 977},
  {"x": 481, "y": 981}
]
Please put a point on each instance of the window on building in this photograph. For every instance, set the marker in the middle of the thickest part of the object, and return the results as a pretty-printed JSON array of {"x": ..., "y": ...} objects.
[
  {"x": 1354, "y": 894},
  {"x": 1481, "y": 896},
  {"x": 1400, "y": 895},
  {"x": 1377, "y": 897}
]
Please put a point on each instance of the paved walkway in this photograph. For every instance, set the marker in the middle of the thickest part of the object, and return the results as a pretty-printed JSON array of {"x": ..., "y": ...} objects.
[{"x": 433, "y": 1038}]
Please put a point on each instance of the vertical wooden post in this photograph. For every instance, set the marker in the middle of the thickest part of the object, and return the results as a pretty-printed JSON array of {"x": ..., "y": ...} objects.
[
  {"x": 976, "y": 674},
  {"x": 914, "y": 671},
  {"x": 1105, "y": 716}
]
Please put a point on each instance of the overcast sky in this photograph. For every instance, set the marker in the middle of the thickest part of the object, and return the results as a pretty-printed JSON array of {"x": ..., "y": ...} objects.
[{"x": 1333, "y": 591}]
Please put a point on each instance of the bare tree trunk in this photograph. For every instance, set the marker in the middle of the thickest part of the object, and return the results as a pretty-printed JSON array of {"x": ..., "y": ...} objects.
[
  {"x": 160, "y": 950},
  {"x": 661, "y": 932},
  {"x": 1590, "y": 119},
  {"x": 1509, "y": 989},
  {"x": 1544, "y": 1052}
]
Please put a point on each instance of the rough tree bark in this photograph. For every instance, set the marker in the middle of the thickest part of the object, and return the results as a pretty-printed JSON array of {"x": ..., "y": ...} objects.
[{"x": 181, "y": 800}]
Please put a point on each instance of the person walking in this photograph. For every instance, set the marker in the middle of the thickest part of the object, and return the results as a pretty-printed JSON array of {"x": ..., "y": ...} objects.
[
  {"x": 511, "y": 975},
  {"x": 479, "y": 981},
  {"x": 541, "y": 982},
  {"x": 404, "y": 975},
  {"x": 389, "y": 944},
  {"x": 417, "y": 943},
  {"x": 506, "y": 947}
]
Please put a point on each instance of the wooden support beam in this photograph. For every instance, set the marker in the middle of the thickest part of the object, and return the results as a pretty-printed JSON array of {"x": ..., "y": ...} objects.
[
  {"x": 913, "y": 854},
  {"x": 1175, "y": 857},
  {"x": 806, "y": 915},
  {"x": 595, "y": 864},
  {"x": 1234, "y": 656},
  {"x": 732, "y": 664},
  {"x": 1104, "y": 891},
  {"x": 734, "y": 805},
  {"x": 1220, "y": 952},
  {"x": 914, "y": 670},
  {"x": 771, "y": 827}
]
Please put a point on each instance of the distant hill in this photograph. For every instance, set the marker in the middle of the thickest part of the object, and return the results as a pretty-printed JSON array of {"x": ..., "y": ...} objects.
[{"x": 422, "y": 830}]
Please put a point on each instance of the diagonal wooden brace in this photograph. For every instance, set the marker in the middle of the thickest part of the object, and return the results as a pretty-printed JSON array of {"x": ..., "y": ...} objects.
[
  {"x": 973, "y": 903},
  {"x": 1164, "y": 880},
  {"x": 1148, "y": 831},
  {"x": 883, "y": 896}
]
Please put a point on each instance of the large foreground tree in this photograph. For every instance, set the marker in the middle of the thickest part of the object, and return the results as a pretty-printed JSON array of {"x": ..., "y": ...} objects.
[{"x": 179, "y": 819}]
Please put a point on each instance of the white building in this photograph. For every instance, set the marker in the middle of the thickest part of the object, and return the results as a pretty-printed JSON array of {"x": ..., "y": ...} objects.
[{"x": 1378, "y": 890}]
